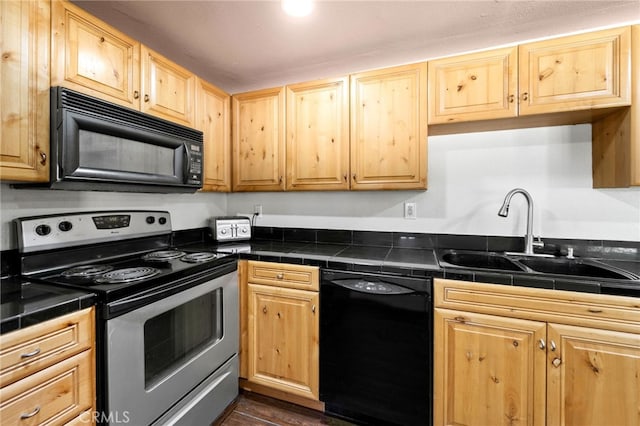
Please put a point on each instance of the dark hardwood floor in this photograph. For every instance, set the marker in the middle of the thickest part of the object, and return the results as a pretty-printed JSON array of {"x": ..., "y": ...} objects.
[{"x": 256, "y": 410}]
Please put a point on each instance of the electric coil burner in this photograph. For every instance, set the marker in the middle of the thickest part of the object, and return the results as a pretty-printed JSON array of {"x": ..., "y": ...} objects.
[{"x": 166, "y": 317}]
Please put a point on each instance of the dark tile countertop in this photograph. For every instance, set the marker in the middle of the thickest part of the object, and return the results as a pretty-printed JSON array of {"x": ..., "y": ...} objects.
[{"x": 24, "y": 303}]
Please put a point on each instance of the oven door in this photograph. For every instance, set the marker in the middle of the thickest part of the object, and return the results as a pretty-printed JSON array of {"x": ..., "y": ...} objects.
[{"x": 160, "y": 352}]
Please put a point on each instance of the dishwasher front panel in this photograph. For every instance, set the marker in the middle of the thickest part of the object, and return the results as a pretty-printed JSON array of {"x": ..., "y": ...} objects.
[{"x": 376, "y": 348}]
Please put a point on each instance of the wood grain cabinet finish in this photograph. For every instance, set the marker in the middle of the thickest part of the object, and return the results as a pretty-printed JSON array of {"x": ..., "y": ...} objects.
[
  {"x": 258, "y": 140},
  {"x": 213, "y": 110},
  {"x": 92, "y": 57},
  {"x": 317, "y": 131},
  {"x": 577, "y": 72},
  {"x": 389, "y": 128},
  {"x": 47, "y": 373},
  {"x": 24, "y": 83},
  {"x": 580, "y": 364},
  {"x": 279, "y": 331},
  {"x": 477, "y": 86}
]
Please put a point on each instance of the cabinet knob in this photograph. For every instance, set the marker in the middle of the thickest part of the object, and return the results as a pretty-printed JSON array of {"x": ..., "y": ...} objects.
[
  {"x": 354, "y": 177},
  {"x": 556, "y": 362},
  {"x": 264, "y": 309},
  {"x": 511, "y": 99},
  {"x": 525, "y": 96},
  {"x": 31, "y": 414},
  {"x": 101, "y": 39},
  {"x": 43, "y": 158},
  {"x": 313, "y": 309},
  {"x": 553, "y": 346},
  {"x": 345, "y": 177},
  {"x": 136, "y": 94},
  {"x": 280, "y": 180},
  {"x": 541, "y": 344},
  {"x": 146, "y": 98},
  {"x": 280, "y": 275}
]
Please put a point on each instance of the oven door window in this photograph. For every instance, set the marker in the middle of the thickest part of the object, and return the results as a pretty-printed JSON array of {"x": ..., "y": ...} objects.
[{"x": 176, "y": 335}]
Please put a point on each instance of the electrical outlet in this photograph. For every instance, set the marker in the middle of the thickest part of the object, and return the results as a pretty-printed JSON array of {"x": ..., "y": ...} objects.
[
  {"x": 410, "y": 211},
  {"x": 257, "y": 209}
]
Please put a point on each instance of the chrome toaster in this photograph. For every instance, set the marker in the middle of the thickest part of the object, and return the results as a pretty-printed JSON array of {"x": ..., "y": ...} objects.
[{"x": 230, "y": 228}]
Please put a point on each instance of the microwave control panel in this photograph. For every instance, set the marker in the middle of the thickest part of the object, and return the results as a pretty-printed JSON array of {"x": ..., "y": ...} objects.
[{"x": 194, "y": 174}]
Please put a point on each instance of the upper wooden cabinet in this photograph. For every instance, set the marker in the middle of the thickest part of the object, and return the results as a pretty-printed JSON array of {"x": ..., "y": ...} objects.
[
  {"x": 578, "y": 72},
  {"x": 317, "y": 132},
  {"x": 24, "y": 83},
  {"x": 258, "y": 140},
  {"x": 213, "y": 110},
  {"x": 389, "y": 128},
  {"x": 477, "y": 86},
  {"x": 92, "y": 57}
]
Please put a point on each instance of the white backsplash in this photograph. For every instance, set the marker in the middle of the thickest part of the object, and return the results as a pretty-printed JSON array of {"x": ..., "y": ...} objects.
[{"x": 469, "y": 175}]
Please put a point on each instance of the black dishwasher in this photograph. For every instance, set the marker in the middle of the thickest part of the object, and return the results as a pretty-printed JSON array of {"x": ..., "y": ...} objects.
[{"x": 376, "y": 340}]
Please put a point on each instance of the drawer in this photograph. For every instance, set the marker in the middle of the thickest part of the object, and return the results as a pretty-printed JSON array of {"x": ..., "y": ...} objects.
[
  {"x": 284, "y": 275},
  {"x": 25, "y": 351},
  {"x": 53, "y": 396}
]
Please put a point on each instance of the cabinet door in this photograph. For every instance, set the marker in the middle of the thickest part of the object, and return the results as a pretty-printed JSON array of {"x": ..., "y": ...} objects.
[
  {"x": 389, "y": 128},
  {"x": 92, "y": 57},
  {"x": 592, "y": 377},
  {"x": 168, "y": 89},
  {"x": 479, "y": 86},
  {"x": 258, "y": 140},
  {"x": 214, "y": 120},
  {"x": 577, "y": 72},
  {"x": 24, "y": 83},
  {"x": 489, "y": 370},
  {"x": 283, "y": 339},
  {"x": 318, "y": 135}
]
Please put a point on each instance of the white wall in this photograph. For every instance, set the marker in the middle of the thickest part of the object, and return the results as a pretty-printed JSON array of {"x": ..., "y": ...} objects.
[
  {"x": 187, "y": 210},
  {"x": 469, "y": 175}
]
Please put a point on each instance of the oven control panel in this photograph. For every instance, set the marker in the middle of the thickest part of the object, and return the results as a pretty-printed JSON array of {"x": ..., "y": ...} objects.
[
  {"x": 233, "y": 228},
  {"x": 38, "y": 233}
]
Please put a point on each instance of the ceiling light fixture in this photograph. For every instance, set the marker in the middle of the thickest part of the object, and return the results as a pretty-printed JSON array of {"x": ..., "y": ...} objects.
[{"x": 297, "y": 7}]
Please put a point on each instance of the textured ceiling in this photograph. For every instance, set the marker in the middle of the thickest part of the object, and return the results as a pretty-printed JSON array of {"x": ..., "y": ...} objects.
[{"x": 246, "y": 45}]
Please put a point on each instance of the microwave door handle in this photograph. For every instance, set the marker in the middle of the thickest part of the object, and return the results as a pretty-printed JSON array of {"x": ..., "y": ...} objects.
[{"x": 187, "y": 163}]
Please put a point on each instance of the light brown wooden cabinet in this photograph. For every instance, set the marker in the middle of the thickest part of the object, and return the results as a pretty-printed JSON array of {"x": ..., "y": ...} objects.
[
  {"x": 317, "y": 132},
  {"x": 510, "y": 355},
  {"x": 48, "y": 372},
  {"x": 389, "y": 128},
  {"x": 213, "y": 110},
  {"x": 280, "y": 331},
  {"x": 92, "y": 57},
  {"x": 24, "y": 104},
  {"x": 258, "y": 140}
]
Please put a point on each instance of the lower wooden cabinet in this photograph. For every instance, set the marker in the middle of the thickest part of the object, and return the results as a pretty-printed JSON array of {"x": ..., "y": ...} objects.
[
  {"x": 508, "y": 355},
  {"x": 48, "y": 372},
  {"x": 280, "y": 331}
]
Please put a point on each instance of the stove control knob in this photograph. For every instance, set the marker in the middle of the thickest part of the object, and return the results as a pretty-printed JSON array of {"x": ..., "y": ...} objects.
[
  {"x": 162, "y": 220},
  {"x": 150, "y": 220},
  {"x": 223, "y": 231},
  {"x": 43, "y": 230},
  {"x": 65, "y": 226}
]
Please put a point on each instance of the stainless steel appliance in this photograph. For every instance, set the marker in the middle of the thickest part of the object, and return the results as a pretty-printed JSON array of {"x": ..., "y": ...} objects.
[
  {"x": 376, "y": 340},
  {"x": 97, "y": 145},
  {"x": 167, "y": 318},
  {"x": 230, "y": 228}
]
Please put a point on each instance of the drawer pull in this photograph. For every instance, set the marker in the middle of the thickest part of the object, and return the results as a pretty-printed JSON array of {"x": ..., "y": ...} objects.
[
  {"x": 31, "y": 414},
  {"x": 34, "y": 352},
  {"x": 280, "y": 276}
]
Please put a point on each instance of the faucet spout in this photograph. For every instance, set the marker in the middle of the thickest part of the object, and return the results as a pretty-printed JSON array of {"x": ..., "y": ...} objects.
[{"x": 504, "y": 211}]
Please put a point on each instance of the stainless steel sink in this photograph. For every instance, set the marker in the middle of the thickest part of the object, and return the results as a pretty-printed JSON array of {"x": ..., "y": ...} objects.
[{"x": 532, "y": 264}]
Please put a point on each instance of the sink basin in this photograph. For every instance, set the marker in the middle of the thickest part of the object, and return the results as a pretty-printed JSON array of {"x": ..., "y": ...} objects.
[
  {"x": 577, "y": 267},
  {"x": 481, "y": 260}
]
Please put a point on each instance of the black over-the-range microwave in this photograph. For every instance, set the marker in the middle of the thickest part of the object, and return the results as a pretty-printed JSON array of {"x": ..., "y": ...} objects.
[{"x": 100, "y": 146}]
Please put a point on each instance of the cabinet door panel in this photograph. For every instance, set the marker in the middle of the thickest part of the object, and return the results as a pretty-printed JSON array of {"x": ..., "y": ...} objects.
[
  {"x": 24, "y": 82},
  {"x": 214, "y": 119},
  {"x": 488, "y": 370},
  {"x": 94, "y": 58},
  {"x": 318, "y": 135},
  {"x": 283, "y": 339},
  {"x": 473, "y": 87},
  {"x": 578, "y": 72},
  {"x": 168, "y": 89},
  {"x": 389, "y": 128},
  {"x": 258, "y": 140},
  {"x": 593, "y": 377}
]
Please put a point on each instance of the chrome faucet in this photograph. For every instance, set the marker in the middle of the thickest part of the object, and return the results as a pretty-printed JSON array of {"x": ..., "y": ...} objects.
[{"x": 504, "y": 211}]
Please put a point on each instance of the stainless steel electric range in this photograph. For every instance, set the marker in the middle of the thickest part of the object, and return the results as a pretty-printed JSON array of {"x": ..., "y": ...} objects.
[{"x": 167, "y": 318}]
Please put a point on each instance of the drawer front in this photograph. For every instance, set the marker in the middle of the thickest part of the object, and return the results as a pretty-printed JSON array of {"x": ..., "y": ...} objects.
[
  {"x": 284, "y": 275},
  {"x": 53, "y": 396},
  {"x": 31, "y": 349}
]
